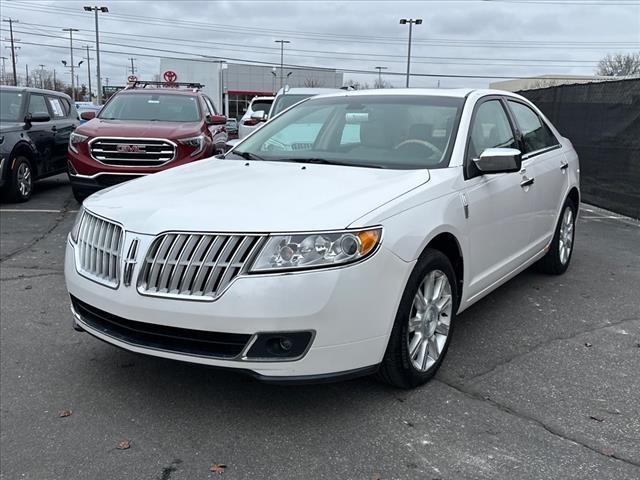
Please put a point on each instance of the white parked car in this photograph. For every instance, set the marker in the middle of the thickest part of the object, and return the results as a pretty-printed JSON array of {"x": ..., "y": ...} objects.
[
  {"x": 341, "y": 239},
  {"x": 287, "y": 97},
  {"x": 247, "y": 123}
]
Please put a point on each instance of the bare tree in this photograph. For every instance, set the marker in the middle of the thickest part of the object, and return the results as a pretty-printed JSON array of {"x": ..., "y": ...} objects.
[
  {"x": 619, "y": 65},
  {"x": 355, "y": 84},
  {"x": 382, "y": 84},
  {"x": 311, "y": 82}
]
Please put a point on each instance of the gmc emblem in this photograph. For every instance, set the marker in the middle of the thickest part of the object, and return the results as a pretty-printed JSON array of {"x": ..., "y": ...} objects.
[{"x": 130, "y": 149}]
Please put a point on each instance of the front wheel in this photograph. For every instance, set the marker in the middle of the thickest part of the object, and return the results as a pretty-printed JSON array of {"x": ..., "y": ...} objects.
[
  {"x": 424, "y": 323},
  {"x": 20, "y": 180},
  {"x": 556, "y": 260}
]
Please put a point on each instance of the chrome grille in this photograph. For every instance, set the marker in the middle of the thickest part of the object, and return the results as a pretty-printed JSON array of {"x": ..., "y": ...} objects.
[
  {"x": 194, "y": 266},
  {"x": 98, "y": 251},
  {"x": 132, "y": 152}
]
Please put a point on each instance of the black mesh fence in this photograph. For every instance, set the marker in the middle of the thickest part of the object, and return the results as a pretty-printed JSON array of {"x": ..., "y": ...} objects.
[{"x": 602, "y": 120}]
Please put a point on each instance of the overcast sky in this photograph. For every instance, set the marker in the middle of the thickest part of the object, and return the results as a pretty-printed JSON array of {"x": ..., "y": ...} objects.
[{"x": 510, "y": 38}]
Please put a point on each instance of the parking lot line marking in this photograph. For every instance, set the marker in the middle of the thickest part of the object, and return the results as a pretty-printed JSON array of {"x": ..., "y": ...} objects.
[{"x": 31, "y": 210}]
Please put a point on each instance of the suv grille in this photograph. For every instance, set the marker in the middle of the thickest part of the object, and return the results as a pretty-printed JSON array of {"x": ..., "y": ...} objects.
[
  {"x": 195, "y": 266},
  {"x": 98, "y": 252},
  {"x": 130, "y": 152}
]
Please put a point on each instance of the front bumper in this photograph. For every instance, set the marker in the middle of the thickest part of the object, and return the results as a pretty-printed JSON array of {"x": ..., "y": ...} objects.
[{"x": 350, "y": 310}]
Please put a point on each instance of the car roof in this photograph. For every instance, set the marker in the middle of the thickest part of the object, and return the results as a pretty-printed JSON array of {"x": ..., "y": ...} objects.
[
  {"x": 427, "y": 92},
  {"x": 166, "y": 91},
  {"x": 34, "y": 90},
  {"x": 307, "y": 91},
  {"x": 262, "y": 99}
]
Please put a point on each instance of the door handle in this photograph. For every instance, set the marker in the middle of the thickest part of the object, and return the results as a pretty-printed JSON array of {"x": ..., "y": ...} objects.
[
  {"x": 564, "y": 166},
  {"x": 526, "y": 182}
]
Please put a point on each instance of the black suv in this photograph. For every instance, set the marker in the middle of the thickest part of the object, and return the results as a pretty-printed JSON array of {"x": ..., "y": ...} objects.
[{"x": 35, "y": 126}]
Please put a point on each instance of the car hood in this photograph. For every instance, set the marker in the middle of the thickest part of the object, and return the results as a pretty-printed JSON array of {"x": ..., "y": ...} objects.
[
  {"x": 99, "y": 127},
  {"x": 241, "y": 196},
  {"x": 6, "y": 127}
]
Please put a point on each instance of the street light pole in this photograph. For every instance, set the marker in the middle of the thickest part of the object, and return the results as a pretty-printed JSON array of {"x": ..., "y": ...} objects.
[
  {"x": 282, "y": 42},
  {"x": 73, "y": 66},
  {"x": 380, "y": 75},
  {"x": 41, "y": 65},
  {"x": 97, "y": 9},
  {"x": 410, "y": 21}
]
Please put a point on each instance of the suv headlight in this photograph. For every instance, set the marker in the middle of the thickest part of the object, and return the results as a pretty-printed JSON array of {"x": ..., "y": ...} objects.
[
  {"x": 316, "y": 250},
  {"x": 76, "y": 226},
  {"x": 74, "y": 139},
  {"x": 194, "y": 142}
]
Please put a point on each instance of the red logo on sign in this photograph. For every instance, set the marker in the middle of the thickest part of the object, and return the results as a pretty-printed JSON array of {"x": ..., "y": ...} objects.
[
  {"x": 170, "y": 76},
  {"x": 130, "y": 149}
]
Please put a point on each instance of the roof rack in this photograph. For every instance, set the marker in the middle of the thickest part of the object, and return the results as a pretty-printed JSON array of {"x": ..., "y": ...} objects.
[{"x": 152, "y": 83}]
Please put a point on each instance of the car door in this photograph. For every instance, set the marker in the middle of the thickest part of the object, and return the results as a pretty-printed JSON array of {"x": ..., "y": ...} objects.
[
  {"x": 63, "y": 124},
  {"x": 218, "y": 132},
  {"x": 41, "y": 134},
  {"x": 546, "y": 165},
  {"x": 498, "y": 205}
]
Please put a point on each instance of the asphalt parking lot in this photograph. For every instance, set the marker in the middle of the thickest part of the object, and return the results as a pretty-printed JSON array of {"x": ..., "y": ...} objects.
[{"x": 541, "y": 382}]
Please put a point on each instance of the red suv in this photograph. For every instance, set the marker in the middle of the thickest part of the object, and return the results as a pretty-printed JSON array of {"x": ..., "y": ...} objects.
[{"x": 143, "y": 130}]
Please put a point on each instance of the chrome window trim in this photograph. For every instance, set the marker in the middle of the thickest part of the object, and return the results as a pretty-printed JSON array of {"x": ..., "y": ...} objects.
[{"x": 134, "y": 140}]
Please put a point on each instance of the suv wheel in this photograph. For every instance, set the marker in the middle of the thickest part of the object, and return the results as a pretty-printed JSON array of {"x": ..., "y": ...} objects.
[
  {"x": 424, "y": 323},
  {"x": 21, "y": 180}
]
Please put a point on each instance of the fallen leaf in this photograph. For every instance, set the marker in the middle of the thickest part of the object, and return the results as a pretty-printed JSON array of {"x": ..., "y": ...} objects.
[
  {"x": 596, "y": 418},
  {"x": 218, "y": 468},
  {"x": 376, "y": 476},
  {"x": 587, "y": 344},
  {"x": 123, "y": 445},
  {"x": 608, "y": 452},
  {"x": 28, "y": 287},
  {"x": 64, "y": 413}
]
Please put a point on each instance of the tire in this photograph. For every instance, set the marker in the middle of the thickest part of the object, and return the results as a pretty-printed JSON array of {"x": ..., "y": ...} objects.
[
  {"x": 79, "y": 195},
  {"x": 398, "y": 367},
  {"x": 20, "y": 181},
  {"x": 556, "y": 260}
]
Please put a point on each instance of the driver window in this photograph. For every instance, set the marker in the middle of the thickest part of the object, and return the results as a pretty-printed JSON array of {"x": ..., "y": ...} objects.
[{"x": 490, "y": 129}]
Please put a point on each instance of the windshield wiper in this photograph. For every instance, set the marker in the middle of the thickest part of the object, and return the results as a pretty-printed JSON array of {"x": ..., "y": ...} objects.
[
  {"x": 247, "y": 155},
  {"x": 324, "y": 161}
]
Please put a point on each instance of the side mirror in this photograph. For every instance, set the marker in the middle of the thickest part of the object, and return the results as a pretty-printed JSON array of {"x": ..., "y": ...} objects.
[
  {"x": 37, "y": 117},
  {"x": 259, "y": 116},
  {"x": 88, "y": 115},
  {"x": 499, "y": 160},
  {"x": 216, "y": 120}
]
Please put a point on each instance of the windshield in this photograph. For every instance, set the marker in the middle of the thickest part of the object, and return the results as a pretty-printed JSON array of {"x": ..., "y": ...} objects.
[
  {"x": 263, "y": 105},
  {"x": 390, "y": 131},
  {"x": 10, "y": 105},
  {"x": 152, "y": 106},
  {"x": 285, "y": 101}
]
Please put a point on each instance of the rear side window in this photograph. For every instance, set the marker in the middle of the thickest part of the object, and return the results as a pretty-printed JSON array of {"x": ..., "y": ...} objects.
[
  {"x": 536, "y": 135},
  {"x": 490, "y": 129},
  {"x": 263, "y": 105},
  {"x": 58, "y": 107},
  {"x": 37, "y": 104}
]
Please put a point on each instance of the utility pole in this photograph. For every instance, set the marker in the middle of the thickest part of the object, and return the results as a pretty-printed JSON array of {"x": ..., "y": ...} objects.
[
  {"x": 282, "y": 42},
  {"x": 410, "y": 21},
  {"x": 97, "y": 9},
  {"x": 73, "y": 65},
  {"x": 380, "y": 75},
  {"x": 133, "y": 70},
  {"x": 13, "y": 49},
  {"x": 41, "y": 75},
  {"x": 89, "y": 70},
  {"x": 26, "y": 69}
]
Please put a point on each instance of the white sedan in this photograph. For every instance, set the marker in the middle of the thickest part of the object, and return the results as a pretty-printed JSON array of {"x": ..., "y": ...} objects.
[{"x": 341, "y": 239}]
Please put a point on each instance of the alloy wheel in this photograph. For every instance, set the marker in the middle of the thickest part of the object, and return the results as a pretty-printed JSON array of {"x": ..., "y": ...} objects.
[
  {"x": 429, "y": 320},
  {"x": 566, "y": 236},
  {"x": 24, "y": 181}
]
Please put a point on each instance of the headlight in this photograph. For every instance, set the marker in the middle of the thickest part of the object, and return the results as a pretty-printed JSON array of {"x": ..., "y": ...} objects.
[
  {"x": 194, "y": 142},
  {"x": 316, "y": 250},
  {"x": 74, "y": 139},
  {"x": 76, "y": 226}
]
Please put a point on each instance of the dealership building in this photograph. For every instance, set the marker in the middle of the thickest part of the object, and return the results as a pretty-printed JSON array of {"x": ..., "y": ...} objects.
[{"x": 232, "y": 85}]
